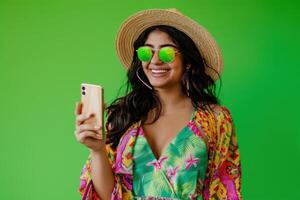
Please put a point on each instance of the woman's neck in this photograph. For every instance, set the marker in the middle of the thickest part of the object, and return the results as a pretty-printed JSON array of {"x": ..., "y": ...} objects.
[{"x": 172, "y": 100}]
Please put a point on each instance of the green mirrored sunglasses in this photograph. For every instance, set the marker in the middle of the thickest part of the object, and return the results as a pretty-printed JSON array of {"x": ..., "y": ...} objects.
[{"x": 166, "y": 54}]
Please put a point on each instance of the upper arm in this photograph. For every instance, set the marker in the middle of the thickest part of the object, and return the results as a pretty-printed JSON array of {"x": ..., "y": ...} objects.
[{"x": 225, "y": 177}]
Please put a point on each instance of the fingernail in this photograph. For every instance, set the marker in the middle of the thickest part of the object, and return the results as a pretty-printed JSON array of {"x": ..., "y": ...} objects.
[
  {"x": 97, "y": 127},
  {"x": 99, "y": 136}
]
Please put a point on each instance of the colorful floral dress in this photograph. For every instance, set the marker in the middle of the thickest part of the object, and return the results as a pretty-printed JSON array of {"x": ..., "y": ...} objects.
[
  {"x": 178, "y": 173},
  {"x": 213, "y": 133}
]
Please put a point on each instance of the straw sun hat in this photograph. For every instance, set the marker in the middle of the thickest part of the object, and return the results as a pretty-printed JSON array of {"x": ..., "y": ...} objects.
[{"x": 134, "y": 25}]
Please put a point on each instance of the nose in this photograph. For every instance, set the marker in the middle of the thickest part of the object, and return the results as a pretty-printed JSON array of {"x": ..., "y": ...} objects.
[{"x": 155, "y": 58}]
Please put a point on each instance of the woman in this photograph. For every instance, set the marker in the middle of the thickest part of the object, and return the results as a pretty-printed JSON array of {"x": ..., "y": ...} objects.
[{"x": 168, "y": 137}]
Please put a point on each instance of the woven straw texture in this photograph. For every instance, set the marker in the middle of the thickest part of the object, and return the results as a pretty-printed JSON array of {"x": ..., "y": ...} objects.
[{"x": 134, "y": 25}]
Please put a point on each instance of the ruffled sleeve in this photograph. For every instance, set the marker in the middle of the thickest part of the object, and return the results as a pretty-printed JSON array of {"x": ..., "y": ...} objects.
[
  {"x": 86, "y": 188},
  {"x": 223, "y": 180}
]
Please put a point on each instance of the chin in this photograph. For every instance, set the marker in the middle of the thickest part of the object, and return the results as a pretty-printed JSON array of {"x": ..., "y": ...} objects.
[
  {"x": 159, "y": 83},
  {"x": 162, "y": 85}
]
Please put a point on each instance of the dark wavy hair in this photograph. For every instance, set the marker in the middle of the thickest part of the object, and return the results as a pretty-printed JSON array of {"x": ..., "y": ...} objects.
[{"x": 139, "y": 100}]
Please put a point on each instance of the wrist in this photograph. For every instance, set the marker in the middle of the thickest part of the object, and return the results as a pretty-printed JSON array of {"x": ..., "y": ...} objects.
[{"x": 97, "y": 152}]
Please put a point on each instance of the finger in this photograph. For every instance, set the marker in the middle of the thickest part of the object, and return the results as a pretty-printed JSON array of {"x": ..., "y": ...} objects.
[
  {"x": 82, "y": 117},
  {"x": 88, "y": 134},
  {"x": 78, "y": 108},
  {"x": 87, "y": 127}
]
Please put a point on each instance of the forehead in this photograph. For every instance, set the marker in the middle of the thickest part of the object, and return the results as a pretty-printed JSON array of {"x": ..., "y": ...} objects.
[{"x": 157, "y": 38}]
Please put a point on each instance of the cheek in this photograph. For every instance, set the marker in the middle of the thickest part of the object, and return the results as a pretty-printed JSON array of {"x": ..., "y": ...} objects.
[
  {"x": 145, "y": 65},
  {"x": 178, "y": 68},
  {"x": 178, "y": 65}
]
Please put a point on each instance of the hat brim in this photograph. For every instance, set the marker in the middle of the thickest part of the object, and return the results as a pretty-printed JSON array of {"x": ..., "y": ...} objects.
[{"x": 137, "y": 23}]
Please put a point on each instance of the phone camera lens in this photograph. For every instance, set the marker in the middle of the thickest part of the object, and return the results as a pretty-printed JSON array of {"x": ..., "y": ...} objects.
[
  {"x": 83, "y": 92},
  {"x": 83, "y": 88}
]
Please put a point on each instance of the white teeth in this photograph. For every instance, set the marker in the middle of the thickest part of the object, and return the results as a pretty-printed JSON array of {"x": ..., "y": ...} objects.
[{"x": 159, "y": 70}]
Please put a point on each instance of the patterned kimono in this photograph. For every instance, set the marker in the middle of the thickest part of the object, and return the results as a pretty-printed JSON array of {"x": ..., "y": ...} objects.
[{"x": 218, "y": 179}]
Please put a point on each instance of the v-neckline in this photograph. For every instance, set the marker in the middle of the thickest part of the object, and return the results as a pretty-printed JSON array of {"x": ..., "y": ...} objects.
[{"x": 172, "y": 140}]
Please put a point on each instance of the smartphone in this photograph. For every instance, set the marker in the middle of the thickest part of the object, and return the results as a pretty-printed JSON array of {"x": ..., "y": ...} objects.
[{"x": 92, "y": 98}]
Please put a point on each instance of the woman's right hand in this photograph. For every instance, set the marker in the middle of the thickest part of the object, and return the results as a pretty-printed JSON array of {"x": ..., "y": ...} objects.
[{"x": 86, "y": 133}]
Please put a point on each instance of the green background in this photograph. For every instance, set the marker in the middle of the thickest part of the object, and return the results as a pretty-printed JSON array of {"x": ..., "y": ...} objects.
[{"x": 47, "y": 48}]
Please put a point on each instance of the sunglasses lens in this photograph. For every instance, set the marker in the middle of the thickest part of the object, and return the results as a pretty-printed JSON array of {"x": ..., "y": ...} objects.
[
  {"x": 167, "y": 54},
  {"x": 144, "y": 54}
]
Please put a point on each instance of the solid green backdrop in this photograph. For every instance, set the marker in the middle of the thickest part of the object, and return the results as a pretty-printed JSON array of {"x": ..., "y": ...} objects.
[{"x": 47, "y": 48}]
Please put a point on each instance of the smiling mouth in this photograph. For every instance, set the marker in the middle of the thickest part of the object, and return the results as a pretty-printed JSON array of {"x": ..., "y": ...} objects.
[{"x": 159, "y": 72}]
